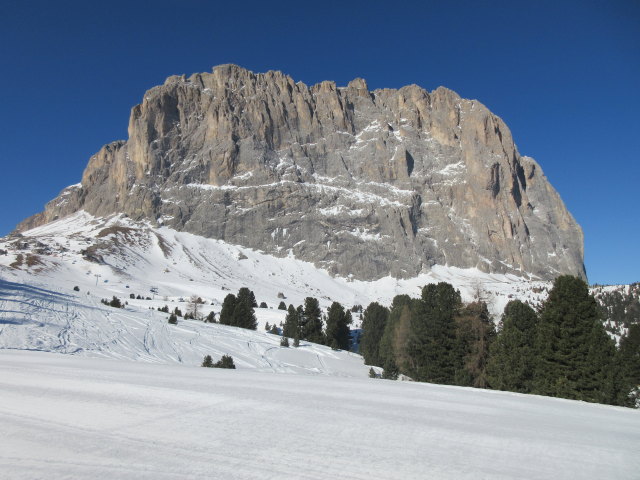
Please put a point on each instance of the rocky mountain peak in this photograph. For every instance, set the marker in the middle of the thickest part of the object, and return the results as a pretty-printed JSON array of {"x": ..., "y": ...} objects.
[{"x": 362, "y": 183}]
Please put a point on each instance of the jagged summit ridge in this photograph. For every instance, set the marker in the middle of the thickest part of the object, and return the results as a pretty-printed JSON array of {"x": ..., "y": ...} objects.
[{"x": 362, "y": 183}]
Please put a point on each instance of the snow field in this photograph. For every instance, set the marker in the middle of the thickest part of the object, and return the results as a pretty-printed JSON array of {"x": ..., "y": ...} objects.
[
  {"x": 66, "y": 416},
  {"x": 33, "y": 318}
]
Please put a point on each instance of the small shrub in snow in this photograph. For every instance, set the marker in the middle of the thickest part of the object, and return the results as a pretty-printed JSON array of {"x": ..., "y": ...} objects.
[
  {"x": 114, "y": 302},
  {"x": 207, "y": 362},
  {"x": 225, "y": 362}
]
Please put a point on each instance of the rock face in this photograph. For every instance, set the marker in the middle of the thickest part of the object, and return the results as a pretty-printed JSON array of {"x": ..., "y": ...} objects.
[{"x": 362, "y": 183}]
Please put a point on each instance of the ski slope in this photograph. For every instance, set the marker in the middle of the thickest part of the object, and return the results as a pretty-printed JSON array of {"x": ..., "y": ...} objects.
[
  {"x": 33, "y": 318},
  {"x": 65, "y": 416}
]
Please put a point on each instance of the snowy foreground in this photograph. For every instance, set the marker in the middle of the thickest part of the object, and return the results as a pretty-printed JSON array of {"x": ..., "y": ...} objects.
[
  {"x": 65, "y": 416},
  {"x": 92, "y": 391}
]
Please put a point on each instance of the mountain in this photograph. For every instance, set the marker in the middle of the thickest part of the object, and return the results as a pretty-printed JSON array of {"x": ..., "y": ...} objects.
[{"x": 364, "y": 184}]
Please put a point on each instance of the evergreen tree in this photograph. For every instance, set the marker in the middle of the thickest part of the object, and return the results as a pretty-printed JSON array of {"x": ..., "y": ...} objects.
[
  {"x": 337, "y": 331},
  {"x": 207, "y": 362},
  {"x": 284, "y": 342},
  {"x": 512, "y": 356},
  {"x": 247, "y": 296},
  {"x": 282, "y": 306},
  {"x": 225, "y": 362},
  {"x": 390, "y": 371},
  {"x": 228, "y": 306},
  {"x": 373, "y": 325},
  {"x": 210, "y": 318},
  {"x": 431, "y": 346},
  {"x": 115, "y": 302},
  {"x": 296, "y": 340},
  {"x": 628, "y": 358},
  {"x": 311, "y": 328},
  {"x": 574, "y": 352},
  {"x": 243, "y": 314},
  {"x": 291, "y": 327},
  {"x": 372, "y": 373},
  {"x": 274, "y": 329},
  {"x": 474, "y": 334},
  {"x": 173, "y": 319}
]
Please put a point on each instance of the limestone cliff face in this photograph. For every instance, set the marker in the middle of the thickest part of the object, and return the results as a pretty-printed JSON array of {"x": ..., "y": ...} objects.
[{"x": 362, "y": 183}]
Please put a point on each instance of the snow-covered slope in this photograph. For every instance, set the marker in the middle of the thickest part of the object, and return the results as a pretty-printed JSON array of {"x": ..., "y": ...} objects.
[
  {"x": 64, "y": 417},
  {"x": 134, "y": 257},
  {"x": 33, "y": 318},
  {"x": 53, "y": 278}
]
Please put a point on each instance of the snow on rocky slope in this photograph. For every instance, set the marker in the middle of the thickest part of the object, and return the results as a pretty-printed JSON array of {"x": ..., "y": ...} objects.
[
  {"x": 63, "y": 416},
  {"x": 132, "y": 257},
  {"x": 53, "y": 278}
]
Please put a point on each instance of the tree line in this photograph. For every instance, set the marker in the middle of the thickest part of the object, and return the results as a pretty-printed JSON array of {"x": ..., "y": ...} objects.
[
  {"x": 561, "y": 350},
  {"x": 306, "y": 322}
]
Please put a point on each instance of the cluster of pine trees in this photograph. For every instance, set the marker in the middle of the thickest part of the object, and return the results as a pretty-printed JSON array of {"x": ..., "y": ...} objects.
[
  {"x": 563, "y": 350},
  {"x": 306, "y": 323},
  {"x": 225, "y": 362},
  {"x": 238, "y": 310}
]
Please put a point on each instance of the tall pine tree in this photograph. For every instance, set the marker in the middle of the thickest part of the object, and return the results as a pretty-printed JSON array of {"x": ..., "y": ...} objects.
[
  {"x": 373, "y": 324},
  {"x": 432, "y": 342},
  {"x": 337, "y": 330},
  {"x": 228, "y": 306},
  {"x": 243, "y": 313},
  {"x": 512, "y": 356},
  {"x": 291, "y": 327},
  {"x": 575, "y": 355},
  {"x": 311, "y": 328}
]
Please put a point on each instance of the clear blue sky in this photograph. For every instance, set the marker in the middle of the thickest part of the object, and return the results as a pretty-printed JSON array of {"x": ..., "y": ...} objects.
[{"x": 564, "y": 75}]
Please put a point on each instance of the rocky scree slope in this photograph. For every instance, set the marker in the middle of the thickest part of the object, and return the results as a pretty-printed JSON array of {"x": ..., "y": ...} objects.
[{"x": 362, "y": 183}]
